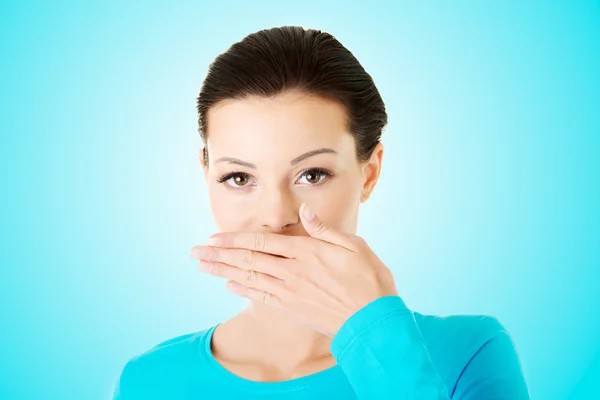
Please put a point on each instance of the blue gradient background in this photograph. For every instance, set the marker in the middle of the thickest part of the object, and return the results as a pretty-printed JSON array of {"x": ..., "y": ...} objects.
[{"x": 488, "y": 201}]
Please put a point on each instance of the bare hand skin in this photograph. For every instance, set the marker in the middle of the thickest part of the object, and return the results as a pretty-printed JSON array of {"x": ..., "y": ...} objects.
[{"x": 319, "y": 281}]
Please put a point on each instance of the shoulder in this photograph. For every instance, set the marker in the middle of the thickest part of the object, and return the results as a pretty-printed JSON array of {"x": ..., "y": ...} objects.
[
  {"x": 173, "y": 350},
  {"x": 160, "y": 367},
  {"x": 460, "y": 336},
  {"x": 469, "y": 346},
  {"x": 459, "y": 328}
]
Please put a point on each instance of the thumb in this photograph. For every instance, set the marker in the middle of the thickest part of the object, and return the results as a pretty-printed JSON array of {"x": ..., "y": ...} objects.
[{"x": 319, "y": 229}]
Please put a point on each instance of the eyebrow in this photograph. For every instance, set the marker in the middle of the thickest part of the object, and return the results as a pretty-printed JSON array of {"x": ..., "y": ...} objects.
[{"x": 295, "y": 161}]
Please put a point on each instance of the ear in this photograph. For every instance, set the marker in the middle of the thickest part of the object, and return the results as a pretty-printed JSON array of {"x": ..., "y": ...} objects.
[
  {"x": 203, "y": 163},
  {"x": 371, "y": 171}
]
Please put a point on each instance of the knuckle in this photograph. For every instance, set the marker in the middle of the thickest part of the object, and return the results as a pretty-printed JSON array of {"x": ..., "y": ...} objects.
[
  {"x": 260, "y": 241},
  {"x": 386, "y": 275},
  {"x": 251, "y": 278},
  {"x": 322, "y": 227},
  {"x": 359, "y": 240},
  {"x": 358, "y": 243},
  {"x": 249, "y": 260}
]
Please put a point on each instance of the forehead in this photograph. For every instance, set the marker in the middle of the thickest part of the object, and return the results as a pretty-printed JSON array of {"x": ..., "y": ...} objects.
[{"x": 291, "y": 123}]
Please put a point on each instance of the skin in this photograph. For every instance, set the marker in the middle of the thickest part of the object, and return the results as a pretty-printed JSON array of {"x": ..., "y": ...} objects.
[{"x": 266, "y": 197}]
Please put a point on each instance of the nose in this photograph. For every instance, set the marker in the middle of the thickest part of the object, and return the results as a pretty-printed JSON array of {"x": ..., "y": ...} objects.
[{"x": 279, "y": 211}]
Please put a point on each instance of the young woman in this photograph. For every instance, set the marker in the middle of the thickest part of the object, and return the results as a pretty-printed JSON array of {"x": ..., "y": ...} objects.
[{"x": 291, "y": 126}]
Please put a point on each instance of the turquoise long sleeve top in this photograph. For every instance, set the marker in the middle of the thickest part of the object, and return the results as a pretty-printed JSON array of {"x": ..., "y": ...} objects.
[{"x": 383, "y": 351}]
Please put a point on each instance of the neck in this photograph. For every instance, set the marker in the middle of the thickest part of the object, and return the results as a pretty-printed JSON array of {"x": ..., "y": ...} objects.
[{"x": 277, "y": 341}]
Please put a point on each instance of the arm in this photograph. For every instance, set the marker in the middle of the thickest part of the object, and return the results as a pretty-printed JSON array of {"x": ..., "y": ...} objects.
[
  {"x": 132, "y": 385},
  {"x": 384, "y": 356},
  {"x": 493, "y": 373},
  {"x": 121, "y": 382}
]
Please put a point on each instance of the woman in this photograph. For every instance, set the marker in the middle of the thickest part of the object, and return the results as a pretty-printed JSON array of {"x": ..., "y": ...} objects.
[{"x": 291, "y": 126}]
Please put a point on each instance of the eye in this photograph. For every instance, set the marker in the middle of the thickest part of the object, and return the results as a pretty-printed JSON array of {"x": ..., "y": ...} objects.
[
  {"x": 316, "y": 175},
  {"x": 238, "y": 179}
]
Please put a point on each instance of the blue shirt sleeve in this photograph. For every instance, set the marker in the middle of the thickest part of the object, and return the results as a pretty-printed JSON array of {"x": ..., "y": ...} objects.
[
  {"x": 383, "y": 354},
  {"x": 136, "y": 382}
]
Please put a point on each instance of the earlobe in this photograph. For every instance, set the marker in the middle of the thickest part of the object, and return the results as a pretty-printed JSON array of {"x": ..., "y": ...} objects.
[{"x": 372, "y": 171}]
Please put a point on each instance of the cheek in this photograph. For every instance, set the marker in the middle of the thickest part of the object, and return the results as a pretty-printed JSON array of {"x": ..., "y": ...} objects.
[
  {"x": 225, "y": 207},
  {"x": 341, "y": 215},
  {"x": 339, "y": 206}
]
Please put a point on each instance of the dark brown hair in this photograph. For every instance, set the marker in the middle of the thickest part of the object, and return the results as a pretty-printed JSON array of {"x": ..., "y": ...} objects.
[{"x": 271, "y": 61}]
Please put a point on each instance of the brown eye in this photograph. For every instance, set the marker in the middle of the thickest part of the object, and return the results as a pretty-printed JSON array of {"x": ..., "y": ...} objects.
[
  {"x": 240, "y": 180},
  {"x": 315, "y": 176},
  {"x": 235, "y": 179}
]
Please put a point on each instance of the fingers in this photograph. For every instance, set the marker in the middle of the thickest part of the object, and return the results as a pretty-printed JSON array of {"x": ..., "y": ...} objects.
[
  {"x": 244, "y": 259},
  {"x": 248, "y": 278},
  {"x": 271, "y": 243},
  {"x": 255, "y": 294}
]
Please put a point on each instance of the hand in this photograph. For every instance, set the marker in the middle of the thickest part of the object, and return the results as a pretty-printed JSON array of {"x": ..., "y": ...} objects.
[{"x": 320, "y": 281}]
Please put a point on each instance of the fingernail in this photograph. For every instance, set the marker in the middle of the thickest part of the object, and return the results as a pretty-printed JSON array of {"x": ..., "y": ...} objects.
[
  {"x": 213, "y": 241},
  {"x": 308, "y": 214}
]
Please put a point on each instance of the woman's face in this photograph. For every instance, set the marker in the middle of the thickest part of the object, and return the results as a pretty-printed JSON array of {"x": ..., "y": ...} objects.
[{"x": 268, "y": 155}]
